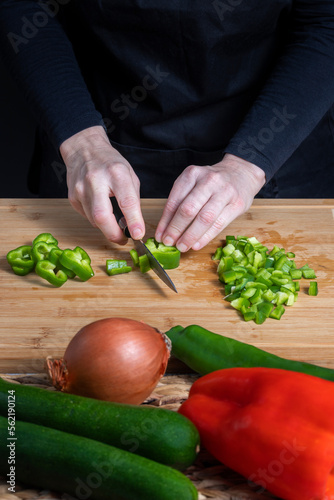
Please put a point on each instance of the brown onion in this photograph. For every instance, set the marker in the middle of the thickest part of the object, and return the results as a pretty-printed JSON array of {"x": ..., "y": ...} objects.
[{"x": 114, "y": 359}]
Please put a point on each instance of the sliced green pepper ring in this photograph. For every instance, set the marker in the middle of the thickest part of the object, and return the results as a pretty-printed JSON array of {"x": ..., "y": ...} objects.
[
  {"x": 54, "y": 255},
  {"x": 21, "y": 271},
  {"x": 41, "y": 251},
  {"x": 21, "y": 259},
  {"x": 45, "y": 269},
  {"x": 78, "y": 261},
  {"x": 168, "y": 257},
  {"x": 47, "y": 238}
]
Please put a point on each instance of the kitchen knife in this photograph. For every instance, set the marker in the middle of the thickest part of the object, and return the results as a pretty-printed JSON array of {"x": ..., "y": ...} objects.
[{"x": 141, "y": 247}]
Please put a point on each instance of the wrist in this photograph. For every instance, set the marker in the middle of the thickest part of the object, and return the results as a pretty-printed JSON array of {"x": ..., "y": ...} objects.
[
  {"x": 84, "y": 141},
  {"x": 240, "y": 164}
]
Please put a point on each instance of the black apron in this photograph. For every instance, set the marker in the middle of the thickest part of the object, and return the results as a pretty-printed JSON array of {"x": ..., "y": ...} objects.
[{"x": 173, "y": 104}]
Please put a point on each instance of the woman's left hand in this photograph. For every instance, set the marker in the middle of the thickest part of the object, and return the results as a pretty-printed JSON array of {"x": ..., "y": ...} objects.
[{"x": 204, "y": 200}]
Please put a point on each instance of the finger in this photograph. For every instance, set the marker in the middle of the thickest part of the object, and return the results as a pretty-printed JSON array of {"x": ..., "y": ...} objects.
[
  {"x": 186, "y": 213},
  {"x": 78, "y": 207},
  {"x": 208, "y": 219},
  {"x": 180, "y": 190},
  {"x": 227, "y": 216},
  {"x": 99, "y": 208},
  {"x": 127, "y": 194}
]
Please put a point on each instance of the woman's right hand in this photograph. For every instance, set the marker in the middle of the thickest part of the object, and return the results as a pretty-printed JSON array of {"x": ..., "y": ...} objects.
[{"x": 95, "y": 172}]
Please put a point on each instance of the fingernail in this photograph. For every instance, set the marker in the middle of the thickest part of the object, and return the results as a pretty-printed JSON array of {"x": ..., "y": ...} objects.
[
  {"x": 137, "y": 233},
  {"x": 196, "y": 246},
  {"x": 158, "y": 237},
  {"x": 182, "y": 247},
  {"x": 168, "y": 241}
]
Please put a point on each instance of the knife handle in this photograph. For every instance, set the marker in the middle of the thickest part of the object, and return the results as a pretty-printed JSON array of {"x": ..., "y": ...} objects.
[{"x": 120, "y": 217}]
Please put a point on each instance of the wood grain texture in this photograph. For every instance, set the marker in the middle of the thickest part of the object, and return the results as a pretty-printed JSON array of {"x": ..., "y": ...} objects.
[{"x": 37, "y": 320}]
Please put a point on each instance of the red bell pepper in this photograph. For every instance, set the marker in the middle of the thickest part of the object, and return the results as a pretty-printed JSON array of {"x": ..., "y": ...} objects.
[{"x": 275, "y": 427}]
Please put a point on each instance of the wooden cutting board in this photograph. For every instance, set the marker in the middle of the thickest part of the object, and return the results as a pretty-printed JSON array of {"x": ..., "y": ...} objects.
[{"x": 37, "y": 320}]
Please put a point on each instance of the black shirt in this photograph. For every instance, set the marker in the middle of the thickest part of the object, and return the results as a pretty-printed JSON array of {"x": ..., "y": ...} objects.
[{"x": 184, "y": 80}]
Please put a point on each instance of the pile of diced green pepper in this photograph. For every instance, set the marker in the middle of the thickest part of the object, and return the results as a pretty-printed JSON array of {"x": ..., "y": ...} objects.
[
  {"x": 260, "y": 283},
  {"x": 49, "y": 261}
]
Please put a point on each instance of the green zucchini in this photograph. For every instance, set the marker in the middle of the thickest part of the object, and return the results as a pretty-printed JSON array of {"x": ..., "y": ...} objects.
[
  {"x": 56, "y": 460},
  {"x": 161, "y": 435}
]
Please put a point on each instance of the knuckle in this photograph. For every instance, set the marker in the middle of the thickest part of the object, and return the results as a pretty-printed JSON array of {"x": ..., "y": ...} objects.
[
  {"x": 77, "y": 193},
  {"x": 213, "y": 177},
  {"x": 188, "y": 210},
  {"x": 239, "y": 205},
  {"x": 99, "y": 217},
  {"x": 171, "y": 206},
  {"x": 128, "y": 202},
  {"x": 218, "y": 225},
  {"x": 90, "y": 178},
  {"x": 117, "y": 171},
  {"x": 207, "y": 217},
  {"x": 190, "y": 172}
]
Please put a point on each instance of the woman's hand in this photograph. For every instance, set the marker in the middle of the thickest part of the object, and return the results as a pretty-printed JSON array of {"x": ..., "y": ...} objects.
[
  {"x": 204, "y": 200},
  {"x": 95, "y": 172}
]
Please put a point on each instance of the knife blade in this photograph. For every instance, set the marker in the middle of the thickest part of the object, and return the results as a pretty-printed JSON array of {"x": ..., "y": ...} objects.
[{"x": 141, "y": 247}]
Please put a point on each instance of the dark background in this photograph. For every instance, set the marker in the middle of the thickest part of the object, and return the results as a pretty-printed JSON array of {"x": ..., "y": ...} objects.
[{"x": 17, "y": 132}]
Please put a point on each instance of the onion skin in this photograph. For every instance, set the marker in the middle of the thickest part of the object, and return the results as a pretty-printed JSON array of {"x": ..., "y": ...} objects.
[{"x": 113, "y": 359}]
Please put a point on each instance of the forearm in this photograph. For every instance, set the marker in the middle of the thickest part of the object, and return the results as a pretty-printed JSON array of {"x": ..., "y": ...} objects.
[
  {"x": 296, "y": 96},
  {"x": 40, "y": 57}
]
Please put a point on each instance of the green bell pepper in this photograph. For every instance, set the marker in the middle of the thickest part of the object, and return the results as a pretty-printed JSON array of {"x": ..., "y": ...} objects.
[
  {"x": 54, "y": 255},
  {"x": 144, "y": 263},
  {"x": 313, "y": 288},
  {"x": 41, "y": 250},
  {"x": 168, "y": 257},
  {"x": 47, "y": 238},
  {"x": 78, "y": 261},
  {"x": 45, "y": 269},
  {"x": 20, "y": 259},
  {"x": 117, "y": 266}
]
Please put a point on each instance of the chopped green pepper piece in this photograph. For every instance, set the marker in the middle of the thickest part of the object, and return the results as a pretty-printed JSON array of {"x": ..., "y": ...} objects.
[
  {"x": 232, "y": 296},
  {"x": 20, "y": 260},
  {"x": 144, "y": 263},
  {"x": 225, "y": 264},
  {"x": 296, "y": 274},
  {"x": 135, "y": 257},
  {"x": 308, "y": 274},
  {"x": 229, "y": 276},
  {"x": 45, "y": 269},
  {"x": 257, "y": 297},
  {"x": 78, "y": 261},
  {"x": 41, "y": 250},
  {"x": 313, "y": 288},
  {"x": 269, "y": 295},
  {"x": 218, "y": 254},
  {"x": 249, "y": 315},
  {"x": 239, "y": 303},
  {"x": 277, "y": 313},
  {"x": 237, "y": 255},
  {"x": 247, "y": 293},
  {"x": 117, "y": 266},
  {"x": 47, "y": 238},
  {"x": 54, "y": 255},
  {"x": 265, "y": 308},
  {"x": 228, "y": 249},
  {"x": 260, "y": 317}
]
